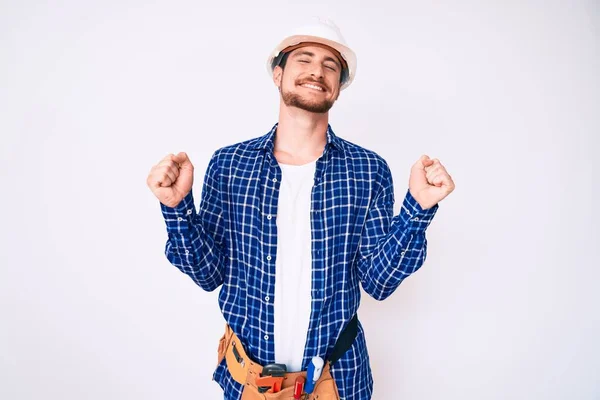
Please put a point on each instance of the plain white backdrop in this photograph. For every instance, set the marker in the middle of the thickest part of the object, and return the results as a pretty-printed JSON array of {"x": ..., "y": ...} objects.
[{"x": 504, "y": 93}]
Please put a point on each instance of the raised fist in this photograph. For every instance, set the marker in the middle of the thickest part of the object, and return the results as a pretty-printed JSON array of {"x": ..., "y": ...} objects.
[
  {"x": 429, "y": 182},
  {"x": 171, "y": 179}
]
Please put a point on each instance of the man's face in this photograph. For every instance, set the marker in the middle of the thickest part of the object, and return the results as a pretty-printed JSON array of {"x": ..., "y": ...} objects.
[{"x": 310, "y": 79}]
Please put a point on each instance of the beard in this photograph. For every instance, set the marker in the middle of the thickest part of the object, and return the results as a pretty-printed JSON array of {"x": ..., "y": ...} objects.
[{"x": 292, "y": 99}]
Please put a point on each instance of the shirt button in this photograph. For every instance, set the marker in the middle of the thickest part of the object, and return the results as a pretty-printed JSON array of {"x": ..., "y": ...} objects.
[
  {"x": 415, "y": 218},
  {"x": 268, "y": 217},
  {"x": 187, "y": 252},
  {"x": 268, "y": 257},
  {"x": 266, "y": 337},
  {"x": 274, "y": 179},
  {"x": 402, "y": 253},
  {"x": 189, "y": 212},
  {"x": 267, "y": 298},
  {"x": 179, "y": 219}
]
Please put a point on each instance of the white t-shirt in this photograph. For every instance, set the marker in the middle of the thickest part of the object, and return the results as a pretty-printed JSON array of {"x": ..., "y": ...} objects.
[{"x": 293, "y": 276}]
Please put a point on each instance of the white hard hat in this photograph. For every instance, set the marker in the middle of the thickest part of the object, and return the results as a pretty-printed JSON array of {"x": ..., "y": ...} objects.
[{"x": 322, "y": 31}]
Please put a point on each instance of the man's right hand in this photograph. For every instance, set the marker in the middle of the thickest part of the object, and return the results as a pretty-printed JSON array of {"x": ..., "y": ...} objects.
[{"x": 171, "y": 179}]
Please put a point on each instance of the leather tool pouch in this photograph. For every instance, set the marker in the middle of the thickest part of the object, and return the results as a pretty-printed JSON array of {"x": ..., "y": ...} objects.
[
  {"x": 238, "y": 363},
  {"x": 325, "y": 389},
  {"x": 245, "y": 371}
]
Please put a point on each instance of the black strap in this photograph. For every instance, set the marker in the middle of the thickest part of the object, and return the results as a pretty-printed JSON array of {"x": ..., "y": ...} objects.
[{"x": 345, "y": 340}]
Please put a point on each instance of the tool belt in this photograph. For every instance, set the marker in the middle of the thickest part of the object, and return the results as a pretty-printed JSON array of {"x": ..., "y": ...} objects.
[{"x": 245, "y": 371}]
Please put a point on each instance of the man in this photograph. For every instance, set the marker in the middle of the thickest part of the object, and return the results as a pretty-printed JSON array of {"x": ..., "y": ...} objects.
[{"x": 289, "y": 224}]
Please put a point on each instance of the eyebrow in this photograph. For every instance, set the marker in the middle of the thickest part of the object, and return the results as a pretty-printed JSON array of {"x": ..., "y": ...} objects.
[{"x": 308, "y": 53}]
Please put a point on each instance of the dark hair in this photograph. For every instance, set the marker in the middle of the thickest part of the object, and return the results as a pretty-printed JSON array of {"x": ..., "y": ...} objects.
[{"x": 281, "y": 60}]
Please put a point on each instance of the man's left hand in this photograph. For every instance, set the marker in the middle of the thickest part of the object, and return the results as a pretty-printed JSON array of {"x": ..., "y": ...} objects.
[{"x": 429, "y": 182}]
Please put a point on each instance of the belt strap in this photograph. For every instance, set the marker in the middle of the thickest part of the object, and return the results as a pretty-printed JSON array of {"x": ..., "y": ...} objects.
[{"x": 345, "y": 340}]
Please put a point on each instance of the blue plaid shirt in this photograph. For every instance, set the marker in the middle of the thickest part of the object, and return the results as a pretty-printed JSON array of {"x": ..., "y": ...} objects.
[{"x": 232, "y": 242}]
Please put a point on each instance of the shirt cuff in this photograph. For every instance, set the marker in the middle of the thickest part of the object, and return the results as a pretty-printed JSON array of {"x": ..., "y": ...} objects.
[
  {"x": 414, "y": 217},
  {"x": 179, "y": 218}
]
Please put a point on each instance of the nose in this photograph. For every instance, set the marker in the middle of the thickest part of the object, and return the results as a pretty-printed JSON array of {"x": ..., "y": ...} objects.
[{"x": 317, "y": 71}]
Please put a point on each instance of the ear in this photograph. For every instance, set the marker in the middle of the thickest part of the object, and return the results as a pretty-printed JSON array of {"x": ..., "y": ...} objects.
[{"x": 277, "y": 76}]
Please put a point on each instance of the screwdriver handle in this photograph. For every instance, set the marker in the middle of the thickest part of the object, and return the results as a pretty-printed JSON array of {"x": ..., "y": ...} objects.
[
  {"x": 313, "y": 373},
  {"x": 299, "y": 387}
]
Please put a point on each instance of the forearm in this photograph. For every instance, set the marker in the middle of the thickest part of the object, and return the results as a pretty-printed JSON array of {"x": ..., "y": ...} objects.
[
  {"x": 399, "y": 253},
  {"x": 190, "y": 247}
]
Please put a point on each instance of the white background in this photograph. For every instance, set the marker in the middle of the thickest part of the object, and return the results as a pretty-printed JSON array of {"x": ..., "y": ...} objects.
[{"x": 504, "y": 93}]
